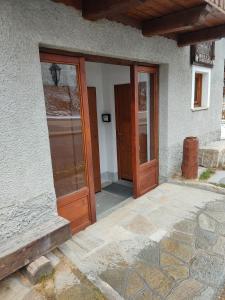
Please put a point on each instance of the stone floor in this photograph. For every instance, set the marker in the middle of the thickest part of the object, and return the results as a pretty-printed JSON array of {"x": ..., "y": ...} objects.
[{"x": 169, "y": 244}]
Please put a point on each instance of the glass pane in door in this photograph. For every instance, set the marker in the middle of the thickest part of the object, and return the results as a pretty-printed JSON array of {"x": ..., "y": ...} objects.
[
  {"x": 62, "y": 99},
  {"x": 144, "y": 117}
]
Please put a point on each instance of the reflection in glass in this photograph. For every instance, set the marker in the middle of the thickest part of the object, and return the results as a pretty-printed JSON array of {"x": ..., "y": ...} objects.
[
  {"x": 144, "y": 94},
  {"x": 65, "y": 128}
]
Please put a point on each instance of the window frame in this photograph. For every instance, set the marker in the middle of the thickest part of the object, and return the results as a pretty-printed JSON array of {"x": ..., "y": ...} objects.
[{"x": 203, "y": 97}]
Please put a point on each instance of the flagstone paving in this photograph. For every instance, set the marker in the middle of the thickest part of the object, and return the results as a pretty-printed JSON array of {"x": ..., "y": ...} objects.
[
  {"x": 187, "y": 262},
  {"x": 169, "y": 244},
  {"x": 187, "y": 265}
]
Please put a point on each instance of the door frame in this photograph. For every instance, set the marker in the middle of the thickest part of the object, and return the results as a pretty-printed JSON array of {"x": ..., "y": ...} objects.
[
  {"x": 61, "y": 56},
  {"x": 98, "y": 152},
  {"x": 154, "y": 126},
  {"x": 80, "y": 64}
]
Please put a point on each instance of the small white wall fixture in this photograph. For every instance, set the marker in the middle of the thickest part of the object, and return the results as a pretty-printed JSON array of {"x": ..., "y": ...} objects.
[{"x": 206, "y": 87}]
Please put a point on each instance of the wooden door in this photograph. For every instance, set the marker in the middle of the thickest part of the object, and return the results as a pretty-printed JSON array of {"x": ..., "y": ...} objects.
[
  {"x": 123, "y": 130},
  {"x": 92, "y": 102},
  {"x": 145, "y": 158},
  {"x": 70, "y": 138}
]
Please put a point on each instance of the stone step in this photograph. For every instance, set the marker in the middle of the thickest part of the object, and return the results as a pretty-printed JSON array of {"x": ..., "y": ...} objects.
[{"x": 212, "y": 155}]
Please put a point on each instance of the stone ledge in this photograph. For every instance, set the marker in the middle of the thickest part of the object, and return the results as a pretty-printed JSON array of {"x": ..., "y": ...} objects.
[
  {"x": 21, "y": 250},
  {"x": 198, "y": 185}
]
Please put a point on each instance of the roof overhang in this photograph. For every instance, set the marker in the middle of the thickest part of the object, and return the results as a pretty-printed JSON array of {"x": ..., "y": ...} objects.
[{"x": 188, "y": 22}]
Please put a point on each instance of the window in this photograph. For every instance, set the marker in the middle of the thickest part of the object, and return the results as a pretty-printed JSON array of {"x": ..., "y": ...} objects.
[
  {"x": 198, "y": 89},
  {"x": 201, "y": 82},
  {"x": 62, "y": 99}
]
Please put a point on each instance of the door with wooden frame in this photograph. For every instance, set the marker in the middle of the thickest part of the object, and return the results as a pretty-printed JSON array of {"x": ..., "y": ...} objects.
[
  {"x": 70, "y": 138},
  {"x": 123, "y": 130},
  {"x": 92, "y": 102},
  {"x": 144, "y": 83}
]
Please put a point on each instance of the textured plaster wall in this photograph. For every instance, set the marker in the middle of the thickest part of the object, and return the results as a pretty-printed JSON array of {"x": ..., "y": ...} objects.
[
  {"x": 182, "y": 121},
  {"x": 27, "y": 192}
]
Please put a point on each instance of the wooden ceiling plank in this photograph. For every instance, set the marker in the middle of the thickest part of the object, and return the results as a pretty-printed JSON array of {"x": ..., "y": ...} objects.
[
  {"x": 203, "y": 35},
  {"x": 182, "y": 20},
  {"x": 94, "y": 10}
]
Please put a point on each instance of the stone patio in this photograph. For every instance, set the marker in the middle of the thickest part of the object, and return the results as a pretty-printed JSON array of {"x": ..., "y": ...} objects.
[{"x": 169, "y": 244}]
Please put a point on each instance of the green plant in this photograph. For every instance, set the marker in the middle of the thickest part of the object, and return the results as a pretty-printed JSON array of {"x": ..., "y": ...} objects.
[{"x": 206, "y": 174}]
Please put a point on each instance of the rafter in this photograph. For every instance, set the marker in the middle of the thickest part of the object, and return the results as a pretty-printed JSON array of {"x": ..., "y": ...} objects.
[
  {"x": 94, "y": 10},
  {"x": 182, "y": 20},
  {"x": 203, "y": 35},
  {"x": 219, "y": 4}
]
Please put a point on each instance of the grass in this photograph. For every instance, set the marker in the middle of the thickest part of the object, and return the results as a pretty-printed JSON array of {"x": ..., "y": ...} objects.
[{"x": 206, "y": 174}]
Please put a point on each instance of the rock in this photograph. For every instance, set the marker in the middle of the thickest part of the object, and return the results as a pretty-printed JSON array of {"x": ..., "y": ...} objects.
[
  {"x": 38, "y": 269},
  {"x": 216, "y": 206},
  {"x": 206, "y": 223},
  {"x": 177, "y": 272},
  {"x": 150, "y": 254},
  {"x": 178, "y": 249},
  {"x": 140, "y": 225},
  {"x": 205, "y": 239},
  {"x": 146, "y": 294},
  {"x": 186, "y": 226},
  {"x": 186, "y": 290},
  {"x": 156, "y": 279},
  {"x": 183, "y": 237},
  {"x": 221, "y": 228},
  {"x": 167, "y": 260},
  {"x": 208, "y": 269},
  {"x": 219, "y": 247},
  {"x": 115, "y": 278},
  {"x": 206, "y": 294},
  {"x": 219, "y": 216},
  {"x": 134, "y": 284}
]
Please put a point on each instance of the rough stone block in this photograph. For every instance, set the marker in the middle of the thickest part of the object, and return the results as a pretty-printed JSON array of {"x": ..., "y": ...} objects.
[
  {"x": 212, "y": 155},
  {"x": 38, "y": 269}
]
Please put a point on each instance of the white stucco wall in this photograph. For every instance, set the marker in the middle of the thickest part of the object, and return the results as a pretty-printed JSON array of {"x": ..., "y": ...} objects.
[
  {"x": 104, "y": 77},
  {"x": 27, "y": 193}
]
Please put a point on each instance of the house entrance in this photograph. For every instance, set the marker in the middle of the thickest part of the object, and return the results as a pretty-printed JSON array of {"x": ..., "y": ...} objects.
[
  {"x": 109, "y": 98},
  {"x": 102, "y": 120}
]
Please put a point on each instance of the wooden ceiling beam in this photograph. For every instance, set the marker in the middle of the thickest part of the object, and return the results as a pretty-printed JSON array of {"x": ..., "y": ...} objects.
[
  {"x": 182, "y": 20},
  {"x": 203, "y": 35},
  {"x": 99, "y": 9}
]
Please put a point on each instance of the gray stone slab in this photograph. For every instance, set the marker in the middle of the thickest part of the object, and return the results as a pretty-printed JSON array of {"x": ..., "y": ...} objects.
[
  {"x": 205, "y": 239},
  {"x": 208, "y": 268},
  {"x": 106, "y": 201}
]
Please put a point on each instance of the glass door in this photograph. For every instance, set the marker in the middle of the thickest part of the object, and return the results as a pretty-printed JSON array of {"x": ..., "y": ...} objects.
[
  {"x": 67, "y": 114},
  {"x": 144, "y": 128}
]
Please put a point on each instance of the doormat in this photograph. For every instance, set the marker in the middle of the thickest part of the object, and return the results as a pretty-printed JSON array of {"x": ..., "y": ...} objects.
[{"x": 119, "y": 189}]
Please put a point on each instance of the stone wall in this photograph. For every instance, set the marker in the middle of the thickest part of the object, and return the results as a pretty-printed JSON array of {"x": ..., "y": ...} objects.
[{"x": 27, "y": 191}]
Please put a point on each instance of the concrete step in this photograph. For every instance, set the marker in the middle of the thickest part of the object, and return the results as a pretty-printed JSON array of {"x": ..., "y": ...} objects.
[{"x": 212, "y": 155}]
